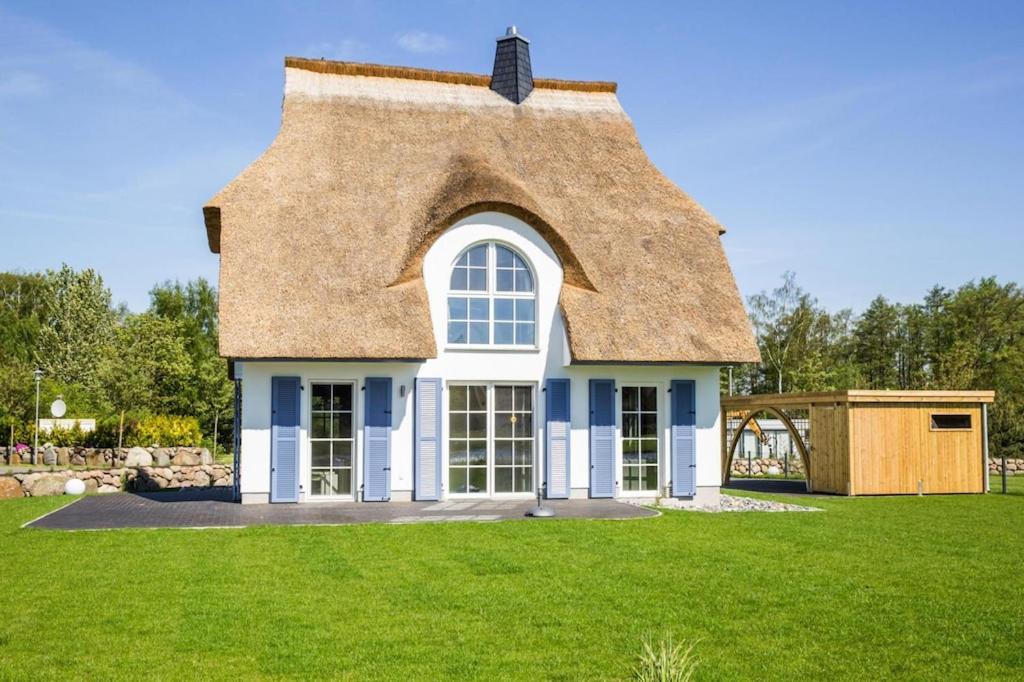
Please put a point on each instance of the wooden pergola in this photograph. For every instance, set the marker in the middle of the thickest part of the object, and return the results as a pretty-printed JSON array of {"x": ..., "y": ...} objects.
[{"x": 746, "y": 407}]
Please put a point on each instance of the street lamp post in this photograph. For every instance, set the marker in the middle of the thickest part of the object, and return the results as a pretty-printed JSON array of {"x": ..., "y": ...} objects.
[{"x": 38, "y": 374}]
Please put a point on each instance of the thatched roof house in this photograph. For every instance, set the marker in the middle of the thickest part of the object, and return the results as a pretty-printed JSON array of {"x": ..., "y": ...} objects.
[
  {"x": 322, "y": 238},
  {"x": 442, "y": 284}
]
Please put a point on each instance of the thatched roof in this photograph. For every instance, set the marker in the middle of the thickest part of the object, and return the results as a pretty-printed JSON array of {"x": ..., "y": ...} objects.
[{"x": 322, "y": 238}]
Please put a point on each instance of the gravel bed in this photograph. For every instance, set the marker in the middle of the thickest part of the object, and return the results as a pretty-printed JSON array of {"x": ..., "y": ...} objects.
[{"x": 732, "y": 503}]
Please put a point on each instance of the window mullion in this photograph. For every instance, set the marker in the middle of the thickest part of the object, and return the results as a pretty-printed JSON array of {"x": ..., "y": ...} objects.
[
  {"x": 489, "y": 468},
  {"x": 491, "y": 286}
]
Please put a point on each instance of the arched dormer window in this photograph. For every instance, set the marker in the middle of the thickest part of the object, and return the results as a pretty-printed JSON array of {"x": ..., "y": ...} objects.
[{"x": 491, "y": 298}]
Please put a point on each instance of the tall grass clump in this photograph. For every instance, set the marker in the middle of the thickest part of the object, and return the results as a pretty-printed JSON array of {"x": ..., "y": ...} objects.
[{"x": 666, "y": 661}]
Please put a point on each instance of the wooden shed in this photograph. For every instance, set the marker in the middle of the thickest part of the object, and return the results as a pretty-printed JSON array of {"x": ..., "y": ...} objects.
[{"x": 876, "y": 442}]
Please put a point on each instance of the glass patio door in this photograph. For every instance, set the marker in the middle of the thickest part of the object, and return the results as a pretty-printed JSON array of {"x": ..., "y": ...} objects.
[
  {"x": 513, "y": 439},
  {"x": 468, "y": 436},
  {"x": 490, "y": 439}
]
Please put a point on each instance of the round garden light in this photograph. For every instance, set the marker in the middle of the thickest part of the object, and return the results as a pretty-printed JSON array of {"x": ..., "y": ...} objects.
[{"x": 74, "y": 486}]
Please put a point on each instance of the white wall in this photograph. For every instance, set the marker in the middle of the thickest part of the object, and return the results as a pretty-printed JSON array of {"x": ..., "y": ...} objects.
[{"x": 549, "y": 359}]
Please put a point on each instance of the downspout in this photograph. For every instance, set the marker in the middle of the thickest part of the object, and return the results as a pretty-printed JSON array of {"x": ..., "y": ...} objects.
[
  {"x": 236, "y": 442},
  {"x": 984, "y": 444},
  {"x": 235, "y": 374}
]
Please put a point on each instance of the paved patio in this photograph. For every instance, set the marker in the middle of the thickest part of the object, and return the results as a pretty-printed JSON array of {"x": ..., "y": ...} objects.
[{"x": 213, "y": 508}]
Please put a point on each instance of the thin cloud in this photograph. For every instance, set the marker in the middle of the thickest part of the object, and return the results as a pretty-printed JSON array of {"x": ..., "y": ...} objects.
[
  {"x": 37, "y": 56},
  {"x": 22, "y": 84},
  {"x": 847, "y": 110},
  {"x": 422, "y": 42}
]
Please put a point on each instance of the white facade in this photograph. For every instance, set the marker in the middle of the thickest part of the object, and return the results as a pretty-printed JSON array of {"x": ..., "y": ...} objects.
[{"x": 455, "y": 365}]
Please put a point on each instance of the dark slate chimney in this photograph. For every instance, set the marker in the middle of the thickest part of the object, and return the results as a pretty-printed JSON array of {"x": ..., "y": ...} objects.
[{"x": 512, "y": 77}]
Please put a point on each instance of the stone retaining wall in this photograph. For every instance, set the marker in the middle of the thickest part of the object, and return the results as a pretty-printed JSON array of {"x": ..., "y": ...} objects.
[
  {"x": 1013, "y": 466},
  {"x": 761, "y": 467},
  {"x": 110, "y": 457},
  {"x": 767, "y": 465},
  {"x": 23, "y": 482}
]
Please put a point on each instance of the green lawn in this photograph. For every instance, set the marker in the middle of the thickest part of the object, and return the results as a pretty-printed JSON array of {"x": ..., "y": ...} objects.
[{"x": 872, "y": 588}]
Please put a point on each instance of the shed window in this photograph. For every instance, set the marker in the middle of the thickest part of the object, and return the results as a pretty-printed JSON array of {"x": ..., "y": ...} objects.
[
  {"x": 951, "y": 422},
  {"x": 491, "y": 299}
]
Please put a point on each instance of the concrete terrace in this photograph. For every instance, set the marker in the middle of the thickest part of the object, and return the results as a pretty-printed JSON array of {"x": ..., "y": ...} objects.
[{"x": 213, "y": 508}]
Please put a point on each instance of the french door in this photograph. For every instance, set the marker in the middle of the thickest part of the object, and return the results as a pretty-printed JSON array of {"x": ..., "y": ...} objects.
[
  {"x": 491, "y": 439},
  {"x": 332, "y": 439},
  {"x": 640, "y": 437}
]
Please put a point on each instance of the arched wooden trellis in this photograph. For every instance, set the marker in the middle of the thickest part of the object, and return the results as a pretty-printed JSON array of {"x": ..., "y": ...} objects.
[{"x": 749, "y": 411}]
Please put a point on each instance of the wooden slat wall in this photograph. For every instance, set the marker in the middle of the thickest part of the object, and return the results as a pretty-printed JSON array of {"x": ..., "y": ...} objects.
[
  {"x": 892, "y": 447},
  {"x": 830, "y": 468}
]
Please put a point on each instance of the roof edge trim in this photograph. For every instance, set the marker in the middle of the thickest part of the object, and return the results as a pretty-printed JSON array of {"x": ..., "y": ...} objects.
[
  {"x": 457, "y": 77},
  {"x": 211, "y": 216}
]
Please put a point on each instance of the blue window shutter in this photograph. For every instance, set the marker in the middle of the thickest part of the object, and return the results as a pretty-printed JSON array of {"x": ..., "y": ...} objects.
[
  {"x": 684, "y": 439},
  {"x": 558, "y": 434},
  {"x": 427, "y": 429},
  {"x": 377, "y": 440},
  {"x": 602, "y": 438},
  {"x": 285, "y": 407}
]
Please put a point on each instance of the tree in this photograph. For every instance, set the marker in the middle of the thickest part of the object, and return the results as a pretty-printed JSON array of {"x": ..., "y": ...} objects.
[
  {"x": 147, "y": 367},
  {"x": 978, "y": 332},
  {"x": 912, "y": 355},
  {"x": 77, "y": 328},
  {"x": 823, "y": 360},
  {"x": 875, "y": 343},
  {"x": 21, "y": 314},
  {"x": 209, "y": 391},
  {"x": 195, "y": 306},
  {"x": 22, "y": 310},
  {"x": 781, "y": 321}
]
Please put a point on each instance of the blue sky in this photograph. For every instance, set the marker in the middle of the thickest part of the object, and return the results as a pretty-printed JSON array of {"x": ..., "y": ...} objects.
[{"x": 870, "y": 147}]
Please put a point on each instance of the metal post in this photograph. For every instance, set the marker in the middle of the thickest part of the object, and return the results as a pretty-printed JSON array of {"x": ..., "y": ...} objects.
[
  {"x": 540, "y": 511},
  {"x": 216, "y": 417},
  {"x": 38, "y": 374},
  {"x": 1004, "y": 471},
  {"x": 730, "y": 380}
]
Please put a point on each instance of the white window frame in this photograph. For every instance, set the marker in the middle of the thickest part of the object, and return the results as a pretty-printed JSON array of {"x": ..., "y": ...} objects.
[
  {"x": 663, "y": 396},
  {"x": 307, "y": 442},
  {"x": 490, "y": 294},
  {"x": 490, "y": 494}
]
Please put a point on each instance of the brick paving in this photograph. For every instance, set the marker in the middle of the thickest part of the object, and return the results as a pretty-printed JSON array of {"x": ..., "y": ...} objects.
[{"x": 213, "y": 508}]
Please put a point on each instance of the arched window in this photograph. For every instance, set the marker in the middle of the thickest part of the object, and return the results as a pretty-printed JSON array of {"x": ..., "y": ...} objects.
[{"x": 491, "y": 299}]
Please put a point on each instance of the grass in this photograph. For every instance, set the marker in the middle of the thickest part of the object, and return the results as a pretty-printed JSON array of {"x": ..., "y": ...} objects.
[{"x": 872, "y": 588}]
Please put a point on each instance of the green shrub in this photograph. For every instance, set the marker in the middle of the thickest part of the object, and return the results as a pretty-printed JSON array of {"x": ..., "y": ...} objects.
[
  {"x": 666, "y": 662},
  {"x": 22, "y": 432},
  {"x": 143, "y": 430},
  {"x": 166, "y": 431},
  {"x": 105, "y": 435},
  {"x": 63, "y": 437}
]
